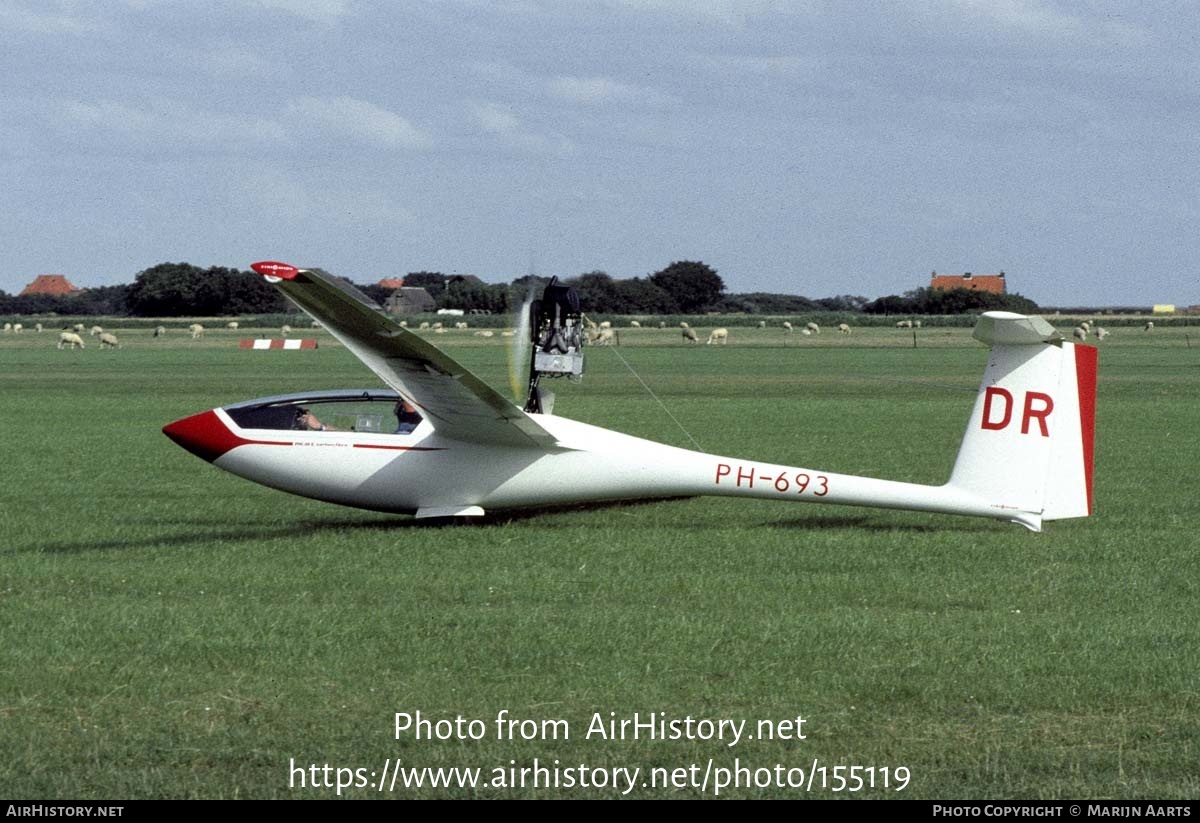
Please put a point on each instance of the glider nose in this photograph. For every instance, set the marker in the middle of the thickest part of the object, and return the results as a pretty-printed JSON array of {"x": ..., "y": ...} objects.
[{"x": 204, "y": 435}]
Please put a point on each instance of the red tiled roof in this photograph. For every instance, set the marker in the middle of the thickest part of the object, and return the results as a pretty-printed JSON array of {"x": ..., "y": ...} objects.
[
  {"x": 55, "y": 284},
  {"x": 392, "y": 282},
  {"x": 993, "y": 283}
]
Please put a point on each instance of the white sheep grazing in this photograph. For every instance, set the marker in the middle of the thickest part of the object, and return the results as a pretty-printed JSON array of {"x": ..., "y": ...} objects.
[
  {"x": 682, "y": 324},
  {"x": 7, "y": 328},
  {"x": 96, "y": 331},
  {"x": 436, "y": 326},
  {"x": 404, "y": 324},
  {"x": 812, "y": 327},
  {"x": 689, "y": 335},
  {"x": 1149, "y": 325},
  {"x": 604, "y": 337},
  {"x": 108, "y": 340},
  {"x": 1101, "y": 332},
  {"x": 904, "y": 324},
  {"x": 460, "y": 325},
  {"x": 1085, "y": 325},
  {"x": 79, "y": 327},
  {"x": 806, "y": 332},
  {"x": 424, "y": 325},
  {"x": 606, "y": 324},
  {"x": 485, "y": 333},
  {"x": 718, "y": 335},
  {"x": 843, "y": 328},
  {"x": 232, "y": 325},
  {"x": 787, "y": 327},
  {"x": 1080, "y": 333},
  {"x": 37, "y": 327},
  {"x": 507, "y": 333},
  {"x": 197, "y": 331},
  {"x": 17, "y": 328},
  {"x": 70, "y": 339},
  {"x": 916, "y": 324},
  {"x": 285, "y": 330},
  {"x": 633, "y": 324},
  {"x": 762, "y": 324},
  {"x": 160, "y": 331},
  {"x": 662, "y": 324}
]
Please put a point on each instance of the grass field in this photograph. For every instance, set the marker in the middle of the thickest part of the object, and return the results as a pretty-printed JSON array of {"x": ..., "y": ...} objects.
[{"x": 170, "y": 630}]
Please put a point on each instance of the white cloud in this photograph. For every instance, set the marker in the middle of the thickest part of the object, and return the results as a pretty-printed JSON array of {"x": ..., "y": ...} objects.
[
  {"x": 501, "y": 122},
  {"x": 319, "y": 10},
  {"x": 595, "y": 90},
  {"x": 359, "y": 120},
  {"x": 43, "y": 21},
  {"x": 166, "y": 124}
]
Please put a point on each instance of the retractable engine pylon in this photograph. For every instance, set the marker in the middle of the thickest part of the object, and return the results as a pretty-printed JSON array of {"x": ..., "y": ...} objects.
[{"x": 556, "y": 332}]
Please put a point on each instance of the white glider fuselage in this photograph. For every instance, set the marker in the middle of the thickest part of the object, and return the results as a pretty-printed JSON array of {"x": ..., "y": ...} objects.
[{"x": 430, "y": 475}]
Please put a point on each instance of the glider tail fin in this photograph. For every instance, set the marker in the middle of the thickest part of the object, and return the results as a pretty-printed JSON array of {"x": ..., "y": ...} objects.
[{"x": 1028, "y": 446}]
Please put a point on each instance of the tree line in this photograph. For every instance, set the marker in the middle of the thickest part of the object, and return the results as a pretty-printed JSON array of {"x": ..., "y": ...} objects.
[{"x": 683, "y": 287}]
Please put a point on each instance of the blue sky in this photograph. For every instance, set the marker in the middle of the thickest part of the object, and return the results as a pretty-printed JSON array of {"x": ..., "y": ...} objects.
[{"x": 814, "y": 148}]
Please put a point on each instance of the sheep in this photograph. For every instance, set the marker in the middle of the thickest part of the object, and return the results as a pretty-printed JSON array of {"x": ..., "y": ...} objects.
[
  {"x": 689, "y": 335},
  {"x": 96, "y": 331},
  {"x": 606, "y": 324},
  {"x": 404, "y": 324},
  {"x": 683, "y": 324},
  {"x": 904, "y": 324},
  {"x": 721, "y": 335},
  {"x": 439, "y": 330},
  {"x": 1085, "y": 325},
  {"x": 461, "y": 325},
  {"x": 787, "y": 327},
  {"x": 232, "y": 325},
  {"x": 1080, "y": 333},
  {"x": 916, "y": 324},
  {"x": 436, "y": 326},
  {"x": 7, "y": 328},
  {"x": 507, "y": 333},
  {"x": 633, "y": 324},
  {"x": 79, "y": 327},
  {"x": 108, "y": 340},
  {"x": 424, "y": 325},
  {"x": 160, "y": 331},
  {"x": 1149, "y": 325},
  {"x": 71, "y": 339},
  {"x": 604, "y": 337},
  {"x": 762, "y": 324},
  {"x": 1101, "y": 332},
  {"x": 843, "y": 328},
  {"x": 806, "y": 332},
  {"x": 316, "y": 324},
  {"x": 285, "y": 330},
  {"x": 37, "y": 327},
  {"x": 662, "y": 324},
  {"x": 812, "y": 327},
  {"x": 197, "y": 331},
  {"x": 485, "y": 333},
  {"x": 17, "y": 328}
]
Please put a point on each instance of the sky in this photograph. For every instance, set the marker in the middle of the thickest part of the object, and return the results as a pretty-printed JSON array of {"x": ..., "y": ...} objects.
[{"x": 808, "y": 147}]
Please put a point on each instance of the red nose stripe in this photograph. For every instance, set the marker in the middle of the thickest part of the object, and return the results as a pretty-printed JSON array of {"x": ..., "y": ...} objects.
[{"x": 204, "y": 435}]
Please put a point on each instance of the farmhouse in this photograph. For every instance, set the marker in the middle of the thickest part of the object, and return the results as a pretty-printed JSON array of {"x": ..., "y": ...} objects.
[
  {"x": 56, "y": 285},
  {"x": 992, "y": 283},
  {"x": 410, "y": 300}
]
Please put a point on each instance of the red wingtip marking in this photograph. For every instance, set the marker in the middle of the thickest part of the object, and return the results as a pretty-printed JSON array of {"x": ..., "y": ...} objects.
[
  {"x": 271, "y": 268},
  {"x": 1085, "y": 375}
]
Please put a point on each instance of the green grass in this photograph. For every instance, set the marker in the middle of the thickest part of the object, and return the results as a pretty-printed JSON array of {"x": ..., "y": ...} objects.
[{"x": 170, "y": 630}]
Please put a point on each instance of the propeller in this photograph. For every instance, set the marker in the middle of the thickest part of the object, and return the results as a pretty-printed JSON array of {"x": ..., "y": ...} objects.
[{"x": 519, "y": 346}]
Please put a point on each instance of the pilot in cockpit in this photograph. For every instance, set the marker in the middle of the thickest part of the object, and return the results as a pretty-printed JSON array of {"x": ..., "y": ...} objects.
[{"x": 407, "y": 418}]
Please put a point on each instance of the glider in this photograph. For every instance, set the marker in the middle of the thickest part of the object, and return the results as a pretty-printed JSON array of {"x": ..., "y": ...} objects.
[{"x": 1026, "y": 456}]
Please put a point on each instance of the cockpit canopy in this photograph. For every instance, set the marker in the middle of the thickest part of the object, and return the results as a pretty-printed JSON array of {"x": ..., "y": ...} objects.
[{"x": 357, "y": 410}]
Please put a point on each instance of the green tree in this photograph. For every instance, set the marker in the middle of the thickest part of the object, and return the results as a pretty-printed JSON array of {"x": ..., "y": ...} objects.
[{"x": 692, "y": 285}]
